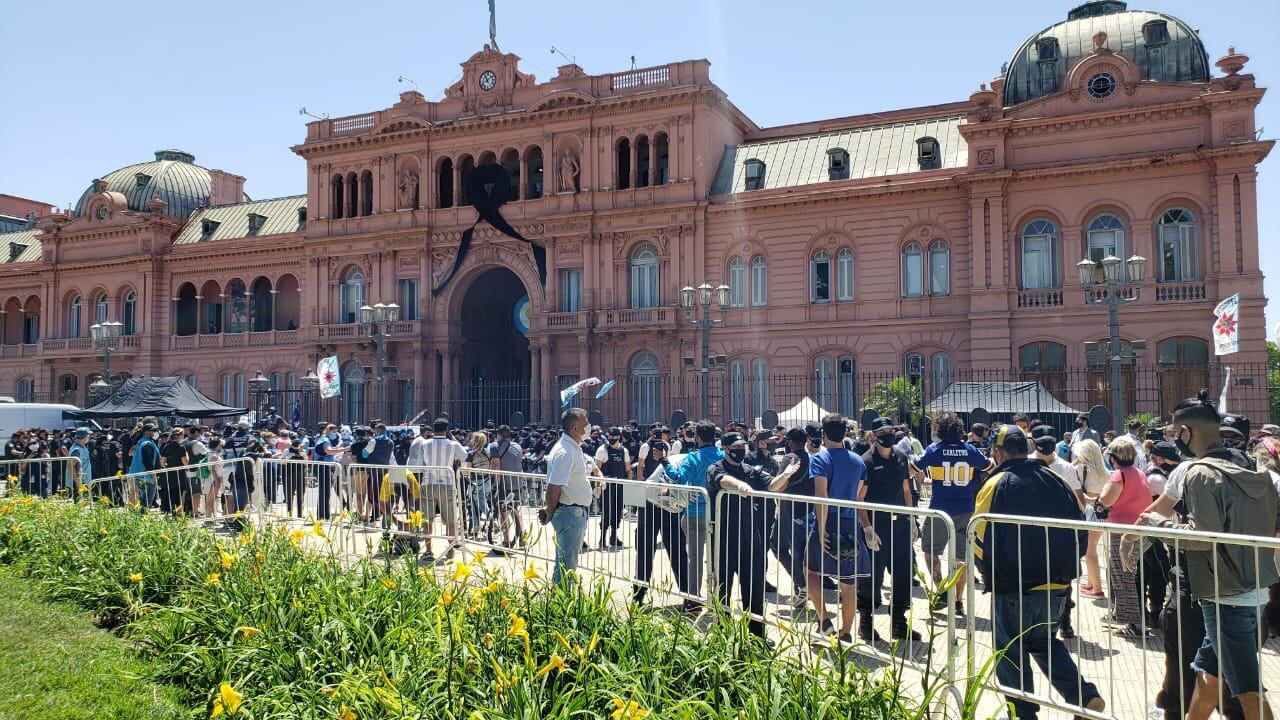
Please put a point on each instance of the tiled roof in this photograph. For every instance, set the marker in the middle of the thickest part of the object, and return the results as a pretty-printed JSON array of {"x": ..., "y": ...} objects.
[
  {"x": 173, "y": 177},
  {"x": 233, "y": 220},
  {"x": 27, "y": 238},
  {"x": 873, "y": 152}
]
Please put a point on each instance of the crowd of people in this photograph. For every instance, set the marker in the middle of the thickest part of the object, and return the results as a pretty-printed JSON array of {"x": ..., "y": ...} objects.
[{"x": 780, "y": 491}]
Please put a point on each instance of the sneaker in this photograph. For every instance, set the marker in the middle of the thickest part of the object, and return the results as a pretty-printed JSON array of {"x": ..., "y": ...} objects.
[
  {"x": 1095, "y": 703},
  {"x": 1066, "y": 632},
  {"x": 1092, "y": 594},
  {"x": 799, "y": 600},
  {"x": 902, "y": 631},
  {"x": 826, "y": 627},
  {"x": 867, "y": 632},
  {"x": 1130, "y": 630}
]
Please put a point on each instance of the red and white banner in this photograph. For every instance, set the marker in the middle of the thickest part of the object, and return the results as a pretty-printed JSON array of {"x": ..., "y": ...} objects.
[{"x": 1226, "y": 328}]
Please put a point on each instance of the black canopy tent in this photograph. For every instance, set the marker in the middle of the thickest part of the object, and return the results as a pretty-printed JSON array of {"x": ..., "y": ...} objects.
[
  {"x": 1005, "y": 399},
  {"x": 158, "y": 396}
]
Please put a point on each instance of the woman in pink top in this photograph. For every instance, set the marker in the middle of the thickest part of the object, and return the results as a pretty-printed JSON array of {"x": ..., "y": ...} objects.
[{"x": 1126, "y": 495}]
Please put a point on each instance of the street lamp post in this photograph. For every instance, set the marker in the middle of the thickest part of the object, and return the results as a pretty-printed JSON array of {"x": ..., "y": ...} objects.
[
  {"x": 258, "y": 384},
  {"x": 310, "y": 385},
  {"x": 705, "y": 297},
  {"x": 1113, "y": 292},
  {"x": 378, "y": 322},
  {"x": 106, "y": 338}
]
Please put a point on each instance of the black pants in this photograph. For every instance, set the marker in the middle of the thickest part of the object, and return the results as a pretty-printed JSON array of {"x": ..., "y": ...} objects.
[
  {"x": 894, "y": 556},
  {"x": 324, "y": 478},
  {"x": 654, "y": 522},
  {"x": 169, "y": 489},
  {"x": 1153, "y": 581},
  {"x": 610, "y": 511},
  {"x": 741, "y": 553},
  {"x": 1182, "y": 624},
  {"x": 270, "y": 477},
  {"x": 295, "y": 487}
]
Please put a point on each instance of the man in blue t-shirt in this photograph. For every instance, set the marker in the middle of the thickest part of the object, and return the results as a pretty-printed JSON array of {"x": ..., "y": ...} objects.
[
  {"x": 950, "y": 466},
  {"x": 836, "y": 548}
]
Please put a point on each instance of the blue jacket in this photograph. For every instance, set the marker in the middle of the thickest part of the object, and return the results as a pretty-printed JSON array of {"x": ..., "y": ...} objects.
[
  {"x": 79, "y": 451},
  {"x": 693, "y": 471}
]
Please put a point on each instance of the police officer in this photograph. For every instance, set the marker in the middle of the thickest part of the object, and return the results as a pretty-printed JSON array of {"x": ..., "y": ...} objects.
[
  {"x": 658, "y": 519},
  {"x": 741, "y": 527},
  {"x": 888, "y": 484},
  {"x": 614, "y": 461}
]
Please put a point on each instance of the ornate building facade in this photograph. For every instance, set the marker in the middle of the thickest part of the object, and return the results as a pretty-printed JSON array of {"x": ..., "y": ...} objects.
[{"x": 942, "y": 239}]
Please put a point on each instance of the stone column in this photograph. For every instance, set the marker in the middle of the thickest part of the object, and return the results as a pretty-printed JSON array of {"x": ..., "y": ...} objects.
[{"x": 535, "y": 384}]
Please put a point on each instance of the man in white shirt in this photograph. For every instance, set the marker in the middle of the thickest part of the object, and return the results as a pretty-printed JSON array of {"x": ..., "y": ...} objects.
[
  {"x": 568, "y": 492},
  {"x": 434, "y": 449},
  {"x": 1135, "y": 427}
]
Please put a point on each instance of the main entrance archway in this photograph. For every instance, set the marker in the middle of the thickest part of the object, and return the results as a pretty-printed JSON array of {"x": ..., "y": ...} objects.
[{"x": 495, "y": 352}]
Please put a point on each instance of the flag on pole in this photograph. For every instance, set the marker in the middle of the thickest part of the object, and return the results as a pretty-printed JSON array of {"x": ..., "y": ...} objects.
[
  {"x": 605, "y": 388},
  {"x": 1222, "y": 397},
  {"x": 572, "y": 391},
  {"x": 1226, "y": 328},
  {"x": 295, "y": 418},
  {"x": 330, "y": 377}
]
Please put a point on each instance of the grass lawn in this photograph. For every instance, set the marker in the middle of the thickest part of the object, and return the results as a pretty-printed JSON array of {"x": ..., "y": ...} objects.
[{"x": 55, "y": 665}]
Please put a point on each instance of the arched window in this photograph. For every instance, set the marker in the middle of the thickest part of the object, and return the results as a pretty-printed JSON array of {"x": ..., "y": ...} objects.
[
  {"x": 212, "y": 299},
  {"x": 939, "y": 269},
  {"x": 820, "y": 277},
  {"x": 844, "y": 274},
  {"x": 759, "y": 281},
  {"x": 823, "y": 383},
  {"x": 662, "y": 161},
  {"x": 642, "y": 161},
  {"x": 533, "y": 167},
  {"x": 939, "y": 373},
  {"x": 186, "y": 310},
  {"x": 912, "y": 271},
  {"x": 74, "y": 320},
  {"x": 738, "y": 390},
  {"x": 1183, "y": 366},
  {"x": 1046, "y": 363},
  {"x": 366, "y": 193},
  {"x": 737, "y": 283},
  {"x": 646, "y": 405},
  {"x": 227, "y": 383},
  {"x": 444, "y": 184},
  {"x": 238, "y": 317},
  {"x": 913, "y": 365},
  {"x": 67, "y": 387},
  {"x": 261, "y": 309},
  {"x": 241, "y": 395},
  {"x": 101, "y": 309},
  {"x": 511, "y": 165},
  {"x": 335, "y": 200},
  {"x": 352, "y": 296},
  {"x": 1106, "y": 237},
  {"x": 31, "y": 321},
  {"x": 759, "y": 386},
  {"x": 1179, "y": 247},
  {"x": 622, "y": 180},
  {"x": 353, "y": 393},
  {"x": 845, "y": 385},
  {"x": 129, "y": 313},
  {"x": 353, "y": 195},
  {"x": 465, "y": 166},
  {"x": 644, "y": 277},
  {"x": 1040, "y": 256}
]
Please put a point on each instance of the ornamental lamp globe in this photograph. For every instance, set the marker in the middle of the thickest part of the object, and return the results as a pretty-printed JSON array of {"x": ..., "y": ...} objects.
[
  {"x": 366, "y": 315},
  {"x": 1137, "y": 266},
  {"x": 704, "y": 294},
  {"x": 1086, "y": 268},
  {"x": 95, "y": 332},
  {"x": 686, "y": 297},
  {"x": 1111, "y": 268},
  {"x": 722, "y": 295},
  {"x": 393, "y": 312}
]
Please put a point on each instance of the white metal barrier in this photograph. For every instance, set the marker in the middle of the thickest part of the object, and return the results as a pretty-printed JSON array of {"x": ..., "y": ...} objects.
[
  {"x": 1027, "y": 622},
  {"x": 41, "y": 476},
  {"x": 396, "y": 507}
]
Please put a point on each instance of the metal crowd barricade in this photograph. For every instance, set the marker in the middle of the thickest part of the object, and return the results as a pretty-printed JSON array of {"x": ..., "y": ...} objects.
[
  {"x": 41, "y": 477},
  {"x": 628, "y": 524},
  {"x": 222, "y": 487},
  {"x": 1094, "y": 667},
  {"x": 773, "y": 539},
  {"x": 300, "y": 489},
  {"x": 406, "y": 504}
]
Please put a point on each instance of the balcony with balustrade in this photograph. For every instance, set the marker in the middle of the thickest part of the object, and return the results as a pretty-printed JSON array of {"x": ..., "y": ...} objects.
[
  {"x": 1181, "y": 292},
  {"x": 70, "y": 347}
]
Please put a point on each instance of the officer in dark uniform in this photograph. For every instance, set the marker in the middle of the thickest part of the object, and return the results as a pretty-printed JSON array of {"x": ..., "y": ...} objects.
[
  {"x": 615, "y": 462},
  {"x": 238, "y": 446},
  {"x": 740, "y": 525},
  {"x": 654, "y": 521},
  {"x": 888, "y": 484}
]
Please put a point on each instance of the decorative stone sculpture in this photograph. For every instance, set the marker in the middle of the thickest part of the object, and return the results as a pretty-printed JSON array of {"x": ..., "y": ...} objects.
[
  {"x": 568, "y": 172},
  {"x": 409, "y": 189}
]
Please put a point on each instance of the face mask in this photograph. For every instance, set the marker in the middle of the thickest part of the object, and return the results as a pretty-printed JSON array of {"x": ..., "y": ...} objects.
[
  {"x": 1183, "y": 447},
  {"x": 333, "y": 436},
  {"x": 885, "y": 441},
  {"x": 737, "y": 455},
  {"x": 615, "y": 441}
]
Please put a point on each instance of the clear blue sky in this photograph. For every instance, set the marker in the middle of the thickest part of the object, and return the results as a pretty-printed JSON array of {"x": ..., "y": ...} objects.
[{"x": 89, "y": 87}]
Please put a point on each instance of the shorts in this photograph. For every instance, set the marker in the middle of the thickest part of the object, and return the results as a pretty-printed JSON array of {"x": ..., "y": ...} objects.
[
  {"x": 933, "y": 538},
  {"x": 1230, "y": 647},
  {"x": 846, "y": 570},
  {"x": 438, "y": 500}
]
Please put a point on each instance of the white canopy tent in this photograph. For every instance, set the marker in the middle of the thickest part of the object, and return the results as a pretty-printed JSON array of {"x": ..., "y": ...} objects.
[{"x": 805, "y": 411}]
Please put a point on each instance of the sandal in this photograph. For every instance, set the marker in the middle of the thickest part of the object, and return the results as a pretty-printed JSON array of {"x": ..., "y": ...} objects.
[{"x": 1091, "y": 593}]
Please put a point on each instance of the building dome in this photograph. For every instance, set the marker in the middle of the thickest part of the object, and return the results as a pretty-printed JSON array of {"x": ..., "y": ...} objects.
[
  {"x": 1163, "y": 47},
  {"x": 172, "y": 177}
]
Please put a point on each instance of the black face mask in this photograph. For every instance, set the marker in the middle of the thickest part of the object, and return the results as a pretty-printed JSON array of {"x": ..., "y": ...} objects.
[
  {"x": 737, "y": 455},
  {"x": 885, "y": 441},
  {"x": 1183, "y": 447}
]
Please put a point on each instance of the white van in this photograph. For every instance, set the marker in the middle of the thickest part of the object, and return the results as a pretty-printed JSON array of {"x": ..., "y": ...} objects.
[{"x": 28, "y": 416}]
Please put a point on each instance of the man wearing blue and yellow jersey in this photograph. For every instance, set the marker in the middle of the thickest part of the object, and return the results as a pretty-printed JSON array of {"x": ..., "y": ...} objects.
[
  {"x": 1029, "y": 568},
  {"x": 950, "y": 466}
]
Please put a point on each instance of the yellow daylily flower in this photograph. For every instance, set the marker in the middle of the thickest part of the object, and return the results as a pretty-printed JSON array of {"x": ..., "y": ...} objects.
[
  {"x": 504, "y": 603},
  {"x": 517, "y": 628},
  {"x": 346, "y": 714},
  {"x": 445, "y": 599},
  {"x": 135, "y": 577},
  {"x": 226, "y": 559},
  {"x": 492, "y": 587},
  {"x": 102, "y": 530},
  {"x": 555, "y": 663},
  {"x": 214, "y": 579},
  {"x": 259, "y": 556},
  {"x": 248, "y": 632},
  {"x": 479, "y": 557},
  {"x": 388, "y": 583},
  {"x": 628, "y": 710},
  {"x": 461, "y": 572},
  {"x": 415, "y": 519},
  {"x": 228, "y": 701},
  {"x": 316, "y": 529},
  {"x": 296, "y": 536},
  {"x": 531, "y": 573}
]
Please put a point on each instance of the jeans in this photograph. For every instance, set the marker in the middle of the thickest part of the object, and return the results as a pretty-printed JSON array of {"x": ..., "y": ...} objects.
[
  {"x": 1230, "y": 647},
  {"x": 570, "y": 524},
  {"x": 146, "y": 493},
  {"x": 1035, "y": 613},
  {"x": 695, "y": 535}
]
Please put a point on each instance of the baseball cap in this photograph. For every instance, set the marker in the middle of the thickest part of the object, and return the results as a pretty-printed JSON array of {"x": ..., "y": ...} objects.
[
  {"x": 763, "y": 435},
  {"x": 881, "y": 422},
  {"x": 82, "y": 433},
  {"x": 1165, "y": 449},
  {"x": 1269, "y": 429},
  {"x": 1010, "y": 438},
  {"x": 813, "y": 430},
  {"x": 1235, "y": 425},
  {"x": 731, "y": 438}
]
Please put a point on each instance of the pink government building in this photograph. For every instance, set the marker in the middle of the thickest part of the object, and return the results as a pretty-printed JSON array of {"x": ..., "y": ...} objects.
[{"x": 939, "y": 240}]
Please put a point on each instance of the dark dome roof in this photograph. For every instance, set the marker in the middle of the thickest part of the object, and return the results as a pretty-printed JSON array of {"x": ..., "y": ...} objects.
[
  {"x": 172, "y": 177},
  {"x": 1163, "y": 47}
]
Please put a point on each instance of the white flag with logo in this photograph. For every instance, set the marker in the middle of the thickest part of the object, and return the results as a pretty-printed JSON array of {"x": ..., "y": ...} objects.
[
  {"x": 1226, "y": 328},
  {"x": 330, "y": 377}
]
